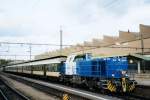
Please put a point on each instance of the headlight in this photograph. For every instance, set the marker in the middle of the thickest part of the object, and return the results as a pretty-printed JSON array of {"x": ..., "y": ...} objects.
[
  {"x": 126, "y": 75},
  {"x": 113, "y": 75},
  {"x": 123, "y": 72}
]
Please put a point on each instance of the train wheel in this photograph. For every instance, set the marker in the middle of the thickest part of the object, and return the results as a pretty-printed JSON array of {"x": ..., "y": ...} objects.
[{"x": 102, "y": 91}]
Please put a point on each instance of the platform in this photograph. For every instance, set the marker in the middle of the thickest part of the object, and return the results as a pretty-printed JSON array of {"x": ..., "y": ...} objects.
[{"x": 143, "y": 79}]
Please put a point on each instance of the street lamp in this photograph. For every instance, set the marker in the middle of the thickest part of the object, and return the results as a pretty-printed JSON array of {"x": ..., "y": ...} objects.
[{"x": 142, "y": 48}]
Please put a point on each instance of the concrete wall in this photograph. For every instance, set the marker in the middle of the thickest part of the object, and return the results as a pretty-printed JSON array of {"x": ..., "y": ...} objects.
[
  {"x": 145, "y": 30},
  {"x": 127, "y": 36}
]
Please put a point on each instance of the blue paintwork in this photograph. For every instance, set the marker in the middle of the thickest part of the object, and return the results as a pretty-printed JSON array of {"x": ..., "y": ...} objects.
[{"x": 101, "y": 67}]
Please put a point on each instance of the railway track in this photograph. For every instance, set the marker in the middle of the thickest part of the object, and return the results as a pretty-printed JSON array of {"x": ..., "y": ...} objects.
[
  {"x": 61, "y": 91},
  {"x": 131, "y": 96},
  {"x": 141, "y": 93},
  {"x": 9, "y": 93}
]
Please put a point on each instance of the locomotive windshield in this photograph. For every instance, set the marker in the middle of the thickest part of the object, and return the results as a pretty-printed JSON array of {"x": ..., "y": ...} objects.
[
  {"x": 79, "y": 58},
  {"x": 86, "y": 56}
]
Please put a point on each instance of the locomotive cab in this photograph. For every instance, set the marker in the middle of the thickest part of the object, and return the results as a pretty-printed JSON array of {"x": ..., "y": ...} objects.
[{"x": 70, "y": 64}]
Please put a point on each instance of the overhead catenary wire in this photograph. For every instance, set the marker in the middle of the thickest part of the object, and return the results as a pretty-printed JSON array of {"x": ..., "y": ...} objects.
[
  {"x": 63, "y": 45},
  {"x": 50, "y": 44},
  {"x": 83, "y": 47}
]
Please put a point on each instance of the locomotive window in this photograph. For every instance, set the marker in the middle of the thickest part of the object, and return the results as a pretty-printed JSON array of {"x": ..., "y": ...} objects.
[
  {"x": 70, "y": 59},
  {"x": 80, "y": 57}
]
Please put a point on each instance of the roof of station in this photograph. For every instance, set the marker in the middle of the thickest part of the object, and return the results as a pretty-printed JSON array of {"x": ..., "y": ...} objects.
[{"x": 137, "y": 56}]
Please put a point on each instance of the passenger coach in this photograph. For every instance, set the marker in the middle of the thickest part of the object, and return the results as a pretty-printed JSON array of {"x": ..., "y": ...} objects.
[{"x": 44, "y": 67}]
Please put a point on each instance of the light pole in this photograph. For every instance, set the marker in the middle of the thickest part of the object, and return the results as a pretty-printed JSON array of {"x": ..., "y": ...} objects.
[
  {"x": 142, "y": 43},
  {"x": 142, "y": 48},
  {"x": 30, "y": 48},
  {"x": 61, "y": 40}
]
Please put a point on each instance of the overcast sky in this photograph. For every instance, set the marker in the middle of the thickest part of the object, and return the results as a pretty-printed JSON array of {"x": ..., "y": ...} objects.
[{"x": 39, "y": 21}]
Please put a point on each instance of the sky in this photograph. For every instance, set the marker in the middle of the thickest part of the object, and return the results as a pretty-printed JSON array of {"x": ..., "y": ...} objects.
[{"x": 39, "y": 21}]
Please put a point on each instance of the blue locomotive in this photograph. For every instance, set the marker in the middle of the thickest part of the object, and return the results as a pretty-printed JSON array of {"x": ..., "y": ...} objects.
[{"x": 104, "y": 73}]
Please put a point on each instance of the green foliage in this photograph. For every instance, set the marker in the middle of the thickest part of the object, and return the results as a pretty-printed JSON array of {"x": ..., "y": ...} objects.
[{"x": 4, "y": 62}]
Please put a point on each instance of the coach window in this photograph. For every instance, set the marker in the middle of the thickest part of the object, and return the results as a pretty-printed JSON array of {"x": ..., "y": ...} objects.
[
  {"x": 47, "y": 67},
  {"x": 42, "y": 67},
  {"x": 38, "y": 67},
  {"x": 35, "y": 67}
]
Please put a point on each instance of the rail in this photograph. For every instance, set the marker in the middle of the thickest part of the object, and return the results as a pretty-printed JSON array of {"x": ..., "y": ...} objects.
[{"x": 9, "y": 93}]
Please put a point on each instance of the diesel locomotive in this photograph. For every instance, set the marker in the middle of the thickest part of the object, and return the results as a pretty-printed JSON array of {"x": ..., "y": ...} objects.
[{"x": 109, "y": 73}]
